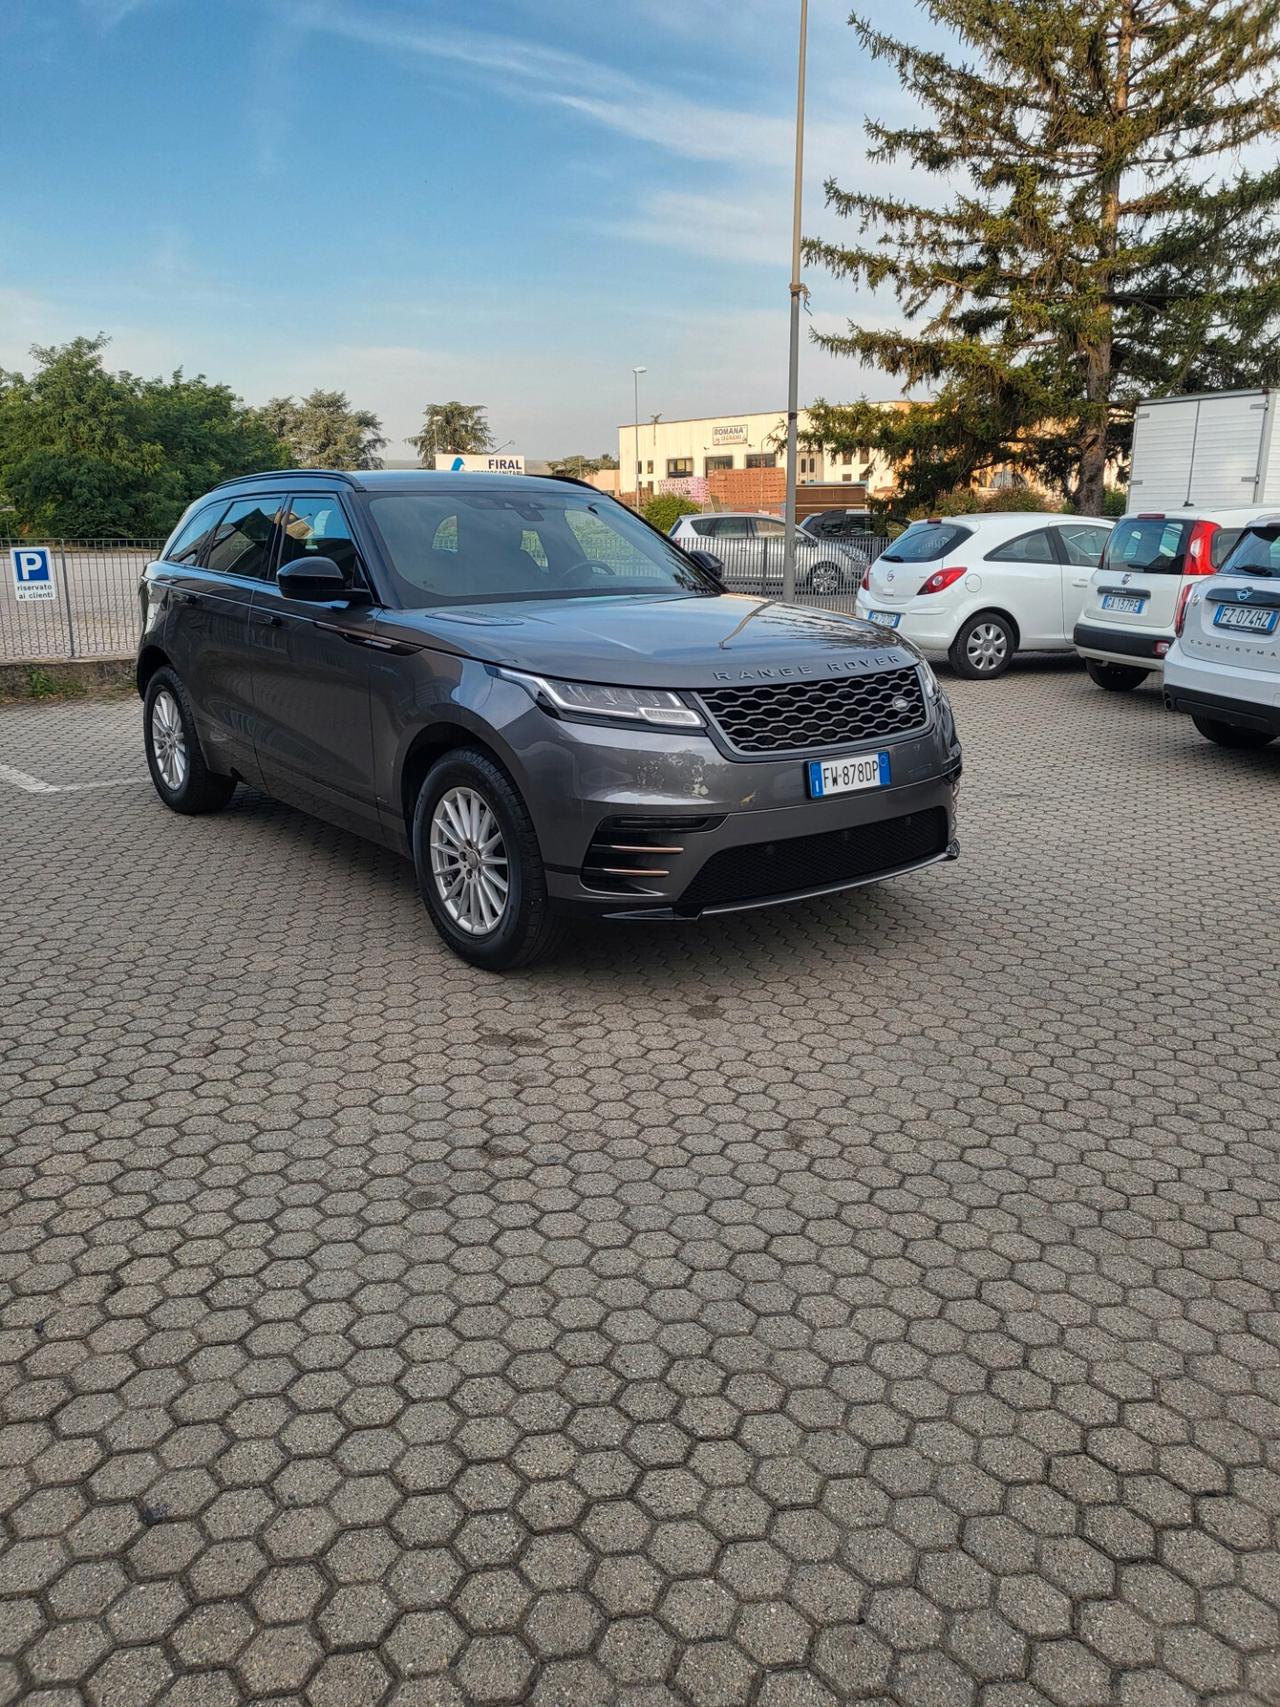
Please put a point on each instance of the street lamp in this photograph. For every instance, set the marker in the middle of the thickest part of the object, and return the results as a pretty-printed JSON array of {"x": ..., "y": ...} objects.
[
  {"x": 636, "y": 372},
  {"x": 793, "y": 370}
]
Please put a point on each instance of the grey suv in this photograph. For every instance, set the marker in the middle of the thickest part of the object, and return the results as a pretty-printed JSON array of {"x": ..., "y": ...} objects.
[{"x": 549, "y": 707}]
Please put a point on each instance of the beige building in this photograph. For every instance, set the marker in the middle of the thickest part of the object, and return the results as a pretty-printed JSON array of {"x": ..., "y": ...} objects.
[{"x": 659, "y": 450}]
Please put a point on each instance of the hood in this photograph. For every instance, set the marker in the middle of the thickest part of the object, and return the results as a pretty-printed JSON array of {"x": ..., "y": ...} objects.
[{"x": 654, "y": 641}]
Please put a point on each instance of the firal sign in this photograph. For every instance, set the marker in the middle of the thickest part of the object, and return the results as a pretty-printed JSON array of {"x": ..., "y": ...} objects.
[
  {"x": 484, "y": 464},
  {"x": 732, "y": 434},
  {"x": 32, "y": 567}
]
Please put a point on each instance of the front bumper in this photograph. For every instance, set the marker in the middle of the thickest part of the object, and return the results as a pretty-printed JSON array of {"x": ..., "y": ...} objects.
[
  {"x": 707, "y": 833},
  {"x": 1135, "y": 647}
]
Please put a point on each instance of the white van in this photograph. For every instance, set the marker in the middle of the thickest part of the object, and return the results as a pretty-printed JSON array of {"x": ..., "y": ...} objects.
[
  {"x": 1224, "y": 666},
  {"x": 1152, "y": 559}
]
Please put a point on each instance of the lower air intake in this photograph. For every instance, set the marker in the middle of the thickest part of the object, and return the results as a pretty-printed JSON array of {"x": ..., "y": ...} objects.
[{"x": 761, "y": 869}]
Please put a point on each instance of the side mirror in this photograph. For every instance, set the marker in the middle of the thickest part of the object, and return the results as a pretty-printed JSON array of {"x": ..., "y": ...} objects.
[
  {"x": 317, "y": 578},
  {"x": 710, "y": 562}
]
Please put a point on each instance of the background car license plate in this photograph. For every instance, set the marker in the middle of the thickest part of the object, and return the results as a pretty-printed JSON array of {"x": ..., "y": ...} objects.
[
  {"x": 1257, "y": 621},
  {"x": 887, "y": 618},
  {"x": 1121, "y": 601},
  {"x": 845, "y": 776}
]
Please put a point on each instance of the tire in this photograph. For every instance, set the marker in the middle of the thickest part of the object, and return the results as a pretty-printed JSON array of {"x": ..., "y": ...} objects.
[
  {"x": 465, "y": 800},
  {"x": 175, "y": 757},
  {"x": 1116, "y": 678},
  {"x": 1231, "y": 734},
  {"x": 984, "y": 648},
  {"x": 826, "y": 578}
]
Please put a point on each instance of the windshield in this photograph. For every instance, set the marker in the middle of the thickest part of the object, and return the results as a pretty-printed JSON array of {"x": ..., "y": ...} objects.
[
  {"x": 470, "y": 547},
  {"x": 1149, "y": 543},
  {"x": 1257, "y": 552},
  {"x": 925, "y": 542}
]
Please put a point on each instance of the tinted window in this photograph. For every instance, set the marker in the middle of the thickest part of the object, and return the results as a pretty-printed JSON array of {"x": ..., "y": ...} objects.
[
  {"x": 925, "y": 542},
  {"x": 1223, "y": 544},
  {"x": 464, "y": 547},
  {"x": 1034, "y": 547},
  {"x": 1149, "y": 543},
  {"x": 242, "y": 541},
  {"x": 318, "y": 527},
  {"x": 1257, "y": 552},
  {"x": 1084, "y": 545},
  {"x": 190, "y": 542}
]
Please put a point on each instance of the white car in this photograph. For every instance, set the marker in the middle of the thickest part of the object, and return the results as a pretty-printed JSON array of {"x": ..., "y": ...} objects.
[
  {"x": 1224, "y": 665},
  {"x": 983, "y": 587},
  {"x": 1152, "y": 559}
]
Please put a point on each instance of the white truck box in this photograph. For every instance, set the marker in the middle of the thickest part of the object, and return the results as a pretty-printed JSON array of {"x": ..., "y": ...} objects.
[{"x": 1213, "y": 450}]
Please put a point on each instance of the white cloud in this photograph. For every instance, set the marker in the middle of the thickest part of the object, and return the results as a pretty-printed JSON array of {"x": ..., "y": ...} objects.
[{"x": 108, "y": 13}]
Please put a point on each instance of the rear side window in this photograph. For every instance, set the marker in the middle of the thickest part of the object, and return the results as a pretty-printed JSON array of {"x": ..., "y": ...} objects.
[
  {"x": 926, "y": 542},
  {"x": 191, "y": 541},
  {"x": 1222, "y": 545},
  {"x": 241, "y": 544},
  {"x": 318, "y": 527},
  {"x": 1257, "y": 552},
  {"x": 1149, "y": 543}
]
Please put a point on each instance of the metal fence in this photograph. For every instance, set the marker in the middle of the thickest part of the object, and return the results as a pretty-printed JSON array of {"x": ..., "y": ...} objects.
[
  {"x": 94, "y": 613},
  {"x": 828, "y": 571}
]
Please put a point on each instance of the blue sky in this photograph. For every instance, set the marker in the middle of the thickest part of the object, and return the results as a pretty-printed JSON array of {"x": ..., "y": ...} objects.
[{"x": 513, "y": 203}]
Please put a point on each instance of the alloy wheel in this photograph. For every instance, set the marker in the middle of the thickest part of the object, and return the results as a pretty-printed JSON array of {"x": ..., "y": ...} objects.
[
  {"x": 469, "y": 864},
  {"x": 168, "y": 742}
]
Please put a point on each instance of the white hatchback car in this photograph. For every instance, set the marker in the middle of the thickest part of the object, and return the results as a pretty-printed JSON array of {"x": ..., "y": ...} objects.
[
  {"x": 1224, "y": 665},
  {"x": 983, "y": 587},
  {"x": 1152, "y": 561}
]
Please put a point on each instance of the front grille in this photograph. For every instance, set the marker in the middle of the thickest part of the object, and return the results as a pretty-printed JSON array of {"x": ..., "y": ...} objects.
[
  {"x": 761, "y": 869},
  {"x": 777, "y": 717}
]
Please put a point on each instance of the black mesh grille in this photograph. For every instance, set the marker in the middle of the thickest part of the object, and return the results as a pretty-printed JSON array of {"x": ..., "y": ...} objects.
[
  {"x": 794, "y": 716},
  {"x": 762, "y": 869}
]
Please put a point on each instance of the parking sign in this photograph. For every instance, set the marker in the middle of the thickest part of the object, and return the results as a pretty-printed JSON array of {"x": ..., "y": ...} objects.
[{"x": 32, "y": 573}]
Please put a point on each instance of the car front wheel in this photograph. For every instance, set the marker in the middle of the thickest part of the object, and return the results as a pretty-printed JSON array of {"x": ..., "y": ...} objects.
[
  {"x": 826, "y": 578},
  {"x": 479, "y": 866},
  {"x": 1116, "y": 678},
  {"x": 983, "y": 649},
  {"x": 174, "y": 756},
  {"x": 1231, "y": 734}
]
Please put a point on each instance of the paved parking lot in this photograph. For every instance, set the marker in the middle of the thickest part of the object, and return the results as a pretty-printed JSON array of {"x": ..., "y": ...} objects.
[{"x": 868, "y": 1301}]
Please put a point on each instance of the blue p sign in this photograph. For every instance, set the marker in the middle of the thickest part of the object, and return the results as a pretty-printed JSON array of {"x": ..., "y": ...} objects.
[{"x": 32, "y": 572}]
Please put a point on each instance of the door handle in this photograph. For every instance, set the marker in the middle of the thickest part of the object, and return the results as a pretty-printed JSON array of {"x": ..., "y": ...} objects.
[
  {"x": 1080, "y": 583},
  {"x": 269, "y": 617},
  {"x": 181, "y": 598}
]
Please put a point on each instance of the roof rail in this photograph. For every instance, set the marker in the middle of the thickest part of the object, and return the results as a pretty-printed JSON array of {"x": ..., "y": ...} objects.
[{"x": 288, "y": 473}]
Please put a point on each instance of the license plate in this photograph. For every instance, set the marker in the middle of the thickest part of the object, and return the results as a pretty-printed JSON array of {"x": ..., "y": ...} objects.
[
  {"x": 1258, "y": 620},
  {"x": 1122, "y": 601},
  {"x": 846, "y": 776},
  {"x": 887, "y": 618}
]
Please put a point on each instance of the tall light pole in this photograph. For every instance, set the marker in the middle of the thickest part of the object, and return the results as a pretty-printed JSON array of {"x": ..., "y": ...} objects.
[
  {"x": 793, "y": 371},
  {"x": 636, "y": 372}
]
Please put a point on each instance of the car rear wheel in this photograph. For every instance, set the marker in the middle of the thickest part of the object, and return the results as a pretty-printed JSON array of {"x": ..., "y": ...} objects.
[
  {"x": 1231, "y": 734},
  {"x": 479, "y": 866},
  {"x": 984, "y": 648},
  {"x": 826, "y": 578},
  {"x": 1116, "y": 678},
  {"x": 174, "y": 756}
]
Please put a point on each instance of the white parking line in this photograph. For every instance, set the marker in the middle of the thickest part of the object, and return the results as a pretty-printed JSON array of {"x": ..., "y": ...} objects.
[{"x": 36, "y": 785}]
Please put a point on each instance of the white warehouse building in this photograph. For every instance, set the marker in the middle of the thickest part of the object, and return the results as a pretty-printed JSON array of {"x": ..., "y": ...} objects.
[{"x": 658, "y": 450}]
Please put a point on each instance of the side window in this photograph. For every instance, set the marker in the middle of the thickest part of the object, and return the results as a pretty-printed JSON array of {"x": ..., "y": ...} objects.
[
  {"x": 599, "y": 542},
  {"x": 1222, "y": 544},
  {"x": 732, "y": 527},
  {"x": 1083, "y": 545},
  {"x": 769, "y": 530},
  {"x": 1034, "y": 547},
  {"x": 189, "y": 545},
  {"x": 318, "y": 527},
  {"x": 241, "y": 544}
]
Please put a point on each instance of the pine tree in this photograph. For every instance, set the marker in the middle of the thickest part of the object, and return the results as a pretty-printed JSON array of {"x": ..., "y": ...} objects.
[
  {"x": 451, "y": 429},
  {"x": 1096, "y": 239}
]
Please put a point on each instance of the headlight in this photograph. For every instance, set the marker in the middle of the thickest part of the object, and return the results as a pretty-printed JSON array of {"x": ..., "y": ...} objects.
[
  {"x": 932, "y": 687},
  {"x": 590, "y": 700}
]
